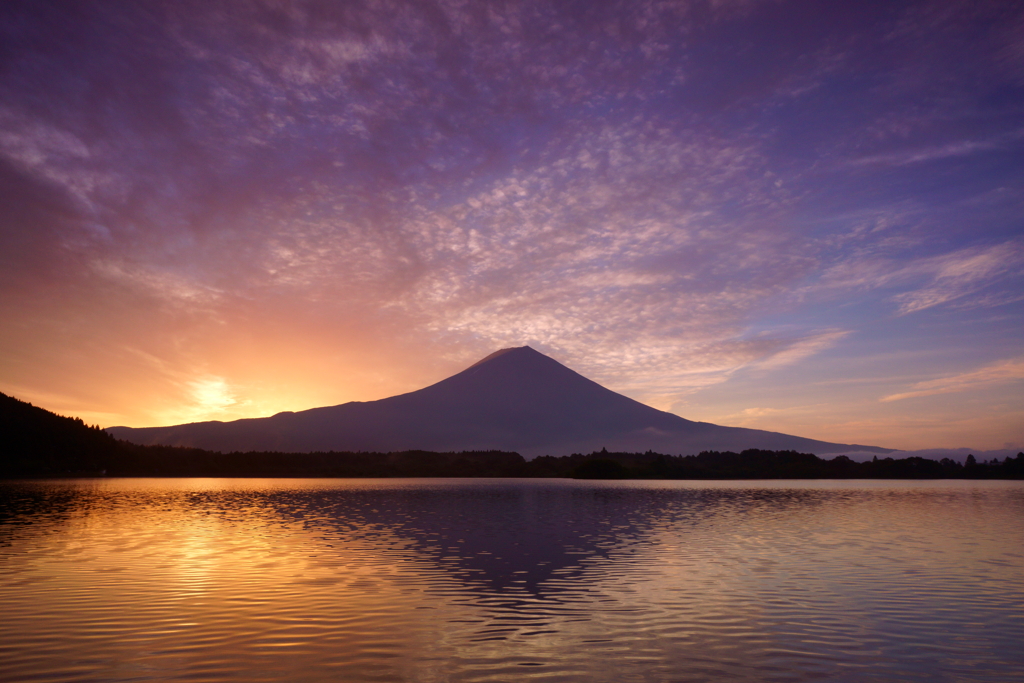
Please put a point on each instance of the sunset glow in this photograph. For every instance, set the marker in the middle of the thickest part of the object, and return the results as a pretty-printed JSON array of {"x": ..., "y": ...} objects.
[{"x": 796, "y": 216}]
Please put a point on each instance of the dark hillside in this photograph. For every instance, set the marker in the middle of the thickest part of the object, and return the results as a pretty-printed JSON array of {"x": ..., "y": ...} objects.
[{"x": 36, "y": 442}]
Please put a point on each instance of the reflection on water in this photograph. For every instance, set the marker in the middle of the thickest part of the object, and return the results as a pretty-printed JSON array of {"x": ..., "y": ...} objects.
[{"x": 498, "y": 580}]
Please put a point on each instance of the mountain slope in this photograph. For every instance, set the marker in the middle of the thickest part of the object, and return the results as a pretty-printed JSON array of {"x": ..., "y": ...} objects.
[
  {"x": 515, "y": 399},
  {"x": 36, "y": 442}
]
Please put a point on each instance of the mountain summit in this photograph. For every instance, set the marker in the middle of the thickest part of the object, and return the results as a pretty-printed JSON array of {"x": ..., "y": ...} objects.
[{"x": 515, "y": 399}]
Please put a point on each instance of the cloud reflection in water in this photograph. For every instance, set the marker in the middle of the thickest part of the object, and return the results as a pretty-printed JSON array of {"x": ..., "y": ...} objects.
[{"x": 452, "y": 580}]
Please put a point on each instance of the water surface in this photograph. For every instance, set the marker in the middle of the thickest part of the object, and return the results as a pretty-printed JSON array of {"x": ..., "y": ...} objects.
[{"x": 501, "y": 580}]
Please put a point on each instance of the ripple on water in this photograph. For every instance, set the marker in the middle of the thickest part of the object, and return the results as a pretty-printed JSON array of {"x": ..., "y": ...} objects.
[{"x": 469, "y": 580}]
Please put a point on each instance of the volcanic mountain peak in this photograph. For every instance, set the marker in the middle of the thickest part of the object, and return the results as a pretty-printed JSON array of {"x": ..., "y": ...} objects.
[
  {"x": 514, "y": 399},
  {"x": 521, "y": 387},
  {"x": 518, "y": 364},
  {"x": 516, "y": 351},
  {"x": 521, "y": 359}
]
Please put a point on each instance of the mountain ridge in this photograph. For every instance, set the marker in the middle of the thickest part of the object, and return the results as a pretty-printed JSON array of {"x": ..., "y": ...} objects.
[{"x": 515, "y": 399}]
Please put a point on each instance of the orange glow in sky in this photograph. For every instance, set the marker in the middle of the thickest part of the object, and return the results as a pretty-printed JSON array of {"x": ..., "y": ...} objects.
[{"x": 754, "y": 215}]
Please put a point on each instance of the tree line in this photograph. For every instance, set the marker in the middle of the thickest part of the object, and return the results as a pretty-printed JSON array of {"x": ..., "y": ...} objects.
[{"x": 37, "y": 443}]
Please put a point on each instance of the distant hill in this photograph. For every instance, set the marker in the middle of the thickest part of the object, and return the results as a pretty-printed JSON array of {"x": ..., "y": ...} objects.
[{"x": 513, "y": 400}]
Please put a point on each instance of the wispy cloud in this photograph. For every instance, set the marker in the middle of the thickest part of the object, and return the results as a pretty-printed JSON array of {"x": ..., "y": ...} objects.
[
  {"x": 960, "y": 274},
  {"x": 56, "y": 155},
  {"x": 996, "y": 373},
  {"x": 803, "y": 348},
  {"x": 933, "y": 280},
  {"x": 166, "y": 284},
  {"x": 946, "y": 151}
]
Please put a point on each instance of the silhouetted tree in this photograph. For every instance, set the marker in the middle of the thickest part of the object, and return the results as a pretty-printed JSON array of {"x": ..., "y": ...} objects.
[{"x": 601, "y": 468}]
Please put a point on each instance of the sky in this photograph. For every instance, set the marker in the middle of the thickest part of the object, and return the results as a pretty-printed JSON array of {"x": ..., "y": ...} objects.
[{"x": 799, "y": 216}]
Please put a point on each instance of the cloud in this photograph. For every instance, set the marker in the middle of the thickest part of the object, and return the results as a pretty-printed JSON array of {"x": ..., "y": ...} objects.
[
  {"x": 759, "y": 412},
  {"x": 946, "y": 151},
  {"x": 166, "y": 284},
  {"x": 997, "y": 373},
  {"x": 803, "y": 348},
  {"x": 960, "y": 274},
  {"x": 935, "y": 280},
  {"x": 660, "y": 194},
  {"x": 55, "y": 155}
]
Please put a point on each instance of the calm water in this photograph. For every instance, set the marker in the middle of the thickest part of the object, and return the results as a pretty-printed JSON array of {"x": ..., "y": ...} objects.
[{"x": 476, "y": 580}]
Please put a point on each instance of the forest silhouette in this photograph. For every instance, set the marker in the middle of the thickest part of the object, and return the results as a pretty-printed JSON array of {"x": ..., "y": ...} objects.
[{"x": 39, "y": 443}]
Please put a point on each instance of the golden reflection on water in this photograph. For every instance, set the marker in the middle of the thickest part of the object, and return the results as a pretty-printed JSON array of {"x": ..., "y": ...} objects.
[{"x": 445, "y": 580}]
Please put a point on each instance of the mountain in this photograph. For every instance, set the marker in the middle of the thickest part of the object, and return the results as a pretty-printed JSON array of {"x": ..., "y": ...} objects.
[{"x": 513, "y": 400}]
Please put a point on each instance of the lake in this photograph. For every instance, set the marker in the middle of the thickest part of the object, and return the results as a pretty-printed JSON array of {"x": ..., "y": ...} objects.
[{"x": 511, "y": 580}]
